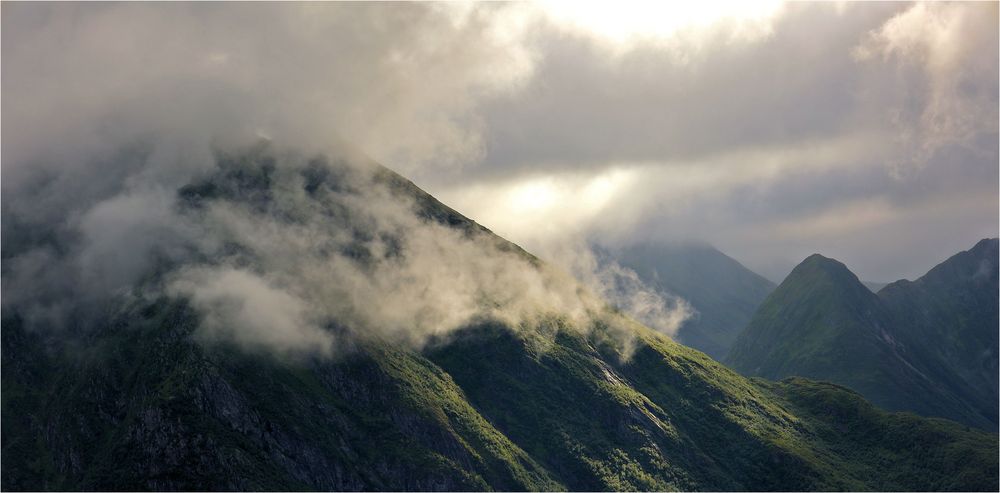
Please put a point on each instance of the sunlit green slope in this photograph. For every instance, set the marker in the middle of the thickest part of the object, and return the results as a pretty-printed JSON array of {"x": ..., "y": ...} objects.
[
  {"x": 140, "y": 404},
  {"x": 928, "y": 346}
]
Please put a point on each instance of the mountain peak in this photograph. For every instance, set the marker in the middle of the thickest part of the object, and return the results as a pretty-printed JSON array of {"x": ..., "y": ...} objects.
[
  {"x": 820, "y": 304},
  {"x": 819, "y": 260},
  {"x": 816, "y": 266},
  {"x": 975, "y": 265},
  {"x": 986, "y": 246},
  {"x": 895, "y": 347}
]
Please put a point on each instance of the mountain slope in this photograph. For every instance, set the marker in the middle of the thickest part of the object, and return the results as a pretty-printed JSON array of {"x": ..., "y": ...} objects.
[
  {"x": 724, "y": 293},
  {"x": 151, "y": 409},
  {"x": 926, "y": 347},
  {"x": 948, "y": 319},
  {"x": 143, "y": 401}
]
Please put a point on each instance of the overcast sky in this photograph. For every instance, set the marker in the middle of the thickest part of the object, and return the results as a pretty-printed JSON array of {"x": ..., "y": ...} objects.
[{"x": 866, "y": 132}]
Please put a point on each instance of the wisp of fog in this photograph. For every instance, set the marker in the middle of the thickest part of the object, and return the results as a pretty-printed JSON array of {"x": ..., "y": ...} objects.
[{"x": 142, "y": 169}]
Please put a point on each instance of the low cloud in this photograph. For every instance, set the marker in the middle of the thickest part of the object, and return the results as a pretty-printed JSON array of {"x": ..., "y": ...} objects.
[
  {"x": 293, "y": 255},
  {"x": 239, "y": 306},
  {"x": 541, "y": 126},
  {"x": 116, "y": 114},
  {"x": 623, "y": 288}
]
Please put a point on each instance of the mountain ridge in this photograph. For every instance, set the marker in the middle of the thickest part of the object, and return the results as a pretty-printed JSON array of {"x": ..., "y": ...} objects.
[
  {"x": 823, "y": 323},
  {"x": 723, "y": 292},
  {"x": 610, "y": 405}
]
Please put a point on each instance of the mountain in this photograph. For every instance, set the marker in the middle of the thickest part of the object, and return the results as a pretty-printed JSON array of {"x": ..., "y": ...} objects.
[
  {"x": 722, "y": 291},
  {"x": 951, "y": 324},
  {"x": 928, "y": 346},
  {"x": 148, "y": 398}
]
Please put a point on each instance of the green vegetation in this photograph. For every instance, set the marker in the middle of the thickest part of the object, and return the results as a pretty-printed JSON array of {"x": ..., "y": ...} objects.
[
  {"x": 136, "y": 403},
  {"x": 147, "y": 408},
  {"x": 928, "y": 346}
]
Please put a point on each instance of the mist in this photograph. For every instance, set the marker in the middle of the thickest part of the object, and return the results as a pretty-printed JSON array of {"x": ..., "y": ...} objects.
[
  {"x": 547, "y": 130},
  {"x": 293, "y": 254}
]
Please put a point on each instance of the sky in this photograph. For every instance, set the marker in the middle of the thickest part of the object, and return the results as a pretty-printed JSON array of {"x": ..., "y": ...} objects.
[{"x": 867, "y": 132}]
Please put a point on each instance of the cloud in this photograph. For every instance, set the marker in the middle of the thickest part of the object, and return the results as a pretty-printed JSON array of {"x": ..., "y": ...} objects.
[
  {"x": 356, "y": 253},
  {"x": 238, "y": 306},
  {"x": 954, "y": 87},
  {"x": 737, "y": 131},
  {"x": 583, "y": 109},
  {"x": 534, "y": 209},
  {"x": 293, "y": 255},
  {"x": 726, "y": 142},
  {"x": 677, "y": 27},
  {"x": 401, "y": 82},
  {"x": 115, "y": 111},
  {"x": 620, "y": 285}
]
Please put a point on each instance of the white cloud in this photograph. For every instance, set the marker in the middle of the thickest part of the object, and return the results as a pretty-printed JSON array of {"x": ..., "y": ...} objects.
[
  {"x": 677, "y": 26},
  {"x": 241, "y": 307},
  {"x": 535, "y": 209}
]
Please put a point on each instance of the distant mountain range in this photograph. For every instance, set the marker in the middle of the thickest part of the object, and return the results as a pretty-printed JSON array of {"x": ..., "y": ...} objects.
[
  {"x": 723, "y": 292},
  {"x": 928, "y": 346},
  {"x": 141, "y": 401}
]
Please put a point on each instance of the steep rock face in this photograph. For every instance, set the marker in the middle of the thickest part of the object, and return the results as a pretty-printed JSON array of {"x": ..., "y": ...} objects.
[
  {"x": 928, "y": 346},
  {"x": 722, "y": 291},
  {"x": 141, "y": 400}
]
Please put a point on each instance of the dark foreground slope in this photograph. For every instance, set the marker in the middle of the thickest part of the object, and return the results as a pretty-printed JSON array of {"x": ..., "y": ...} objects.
[
  {"x": 928, "y": 346},
  {"x": 140, "y": 402},
  {"x": 148, "y": 408},
  {"x": 723, "y": 292}
]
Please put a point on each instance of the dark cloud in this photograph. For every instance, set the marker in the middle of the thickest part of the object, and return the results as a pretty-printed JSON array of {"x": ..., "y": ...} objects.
[
  {"x": 867, "y": 132},
  {"x": 399, "y": 81},
  {"x": 889, "y": 107},
  {"x": 134, "y": 167},
  {"x": 583, "y": 108}
]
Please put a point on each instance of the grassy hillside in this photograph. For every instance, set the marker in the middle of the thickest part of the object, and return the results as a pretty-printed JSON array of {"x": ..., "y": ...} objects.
[
  {"x": 148, "y": 408},
  {"x": 928, "y": 346}
]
